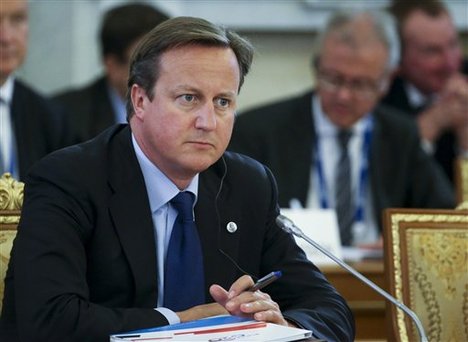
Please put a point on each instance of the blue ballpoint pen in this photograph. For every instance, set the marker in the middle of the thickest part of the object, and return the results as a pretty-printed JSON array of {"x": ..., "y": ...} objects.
[{"x": 266, "y": 280}]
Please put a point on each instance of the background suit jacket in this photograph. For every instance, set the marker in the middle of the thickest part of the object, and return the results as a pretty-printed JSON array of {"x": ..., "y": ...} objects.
[
  {"x": 446, "y": 147},
  {"x": 38, "y": 125},
  {"x": 83, "y": 264},
  {"x": 282, "y": 136},
  {"x": 89, "y": 108}
]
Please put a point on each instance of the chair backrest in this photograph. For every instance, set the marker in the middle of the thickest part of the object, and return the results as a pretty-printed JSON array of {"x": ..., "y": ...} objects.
[
  {"x": 11, "y": 200},
  {"x": 426, "y": 267},
  {"x": 461, "y": 179}
]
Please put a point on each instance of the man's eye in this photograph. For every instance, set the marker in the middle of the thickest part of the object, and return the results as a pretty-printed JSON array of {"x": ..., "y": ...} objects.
[
  {"x": 223, "y": 102},
  {"x": 188, "y": 97}
]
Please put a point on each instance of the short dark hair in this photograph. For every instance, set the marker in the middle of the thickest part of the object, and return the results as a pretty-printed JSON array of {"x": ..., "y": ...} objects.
[
  {"x": 179, "y": 32},
  {"x": 123, "y": 25},
  {"x": 402, "y": 9}
]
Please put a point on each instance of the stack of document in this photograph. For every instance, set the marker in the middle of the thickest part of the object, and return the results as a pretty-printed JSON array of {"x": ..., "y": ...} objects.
[{"x": 219, "y": 328}]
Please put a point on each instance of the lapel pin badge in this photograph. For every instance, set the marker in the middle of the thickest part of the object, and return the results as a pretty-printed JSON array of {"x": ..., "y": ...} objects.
[{"x": 231, "y": 227}]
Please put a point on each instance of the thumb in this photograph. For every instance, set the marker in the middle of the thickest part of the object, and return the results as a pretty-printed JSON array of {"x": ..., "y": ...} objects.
[{"x": 219, "y": 294}]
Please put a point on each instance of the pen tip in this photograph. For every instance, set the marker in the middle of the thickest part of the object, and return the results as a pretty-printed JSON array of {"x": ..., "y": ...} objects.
[{"x": 278, "y": 273}]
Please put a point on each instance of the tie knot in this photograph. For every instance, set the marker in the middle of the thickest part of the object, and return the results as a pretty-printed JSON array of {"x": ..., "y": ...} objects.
[
  {"x": 183, "y": 203},
  {"x": 343, "y": 137}
]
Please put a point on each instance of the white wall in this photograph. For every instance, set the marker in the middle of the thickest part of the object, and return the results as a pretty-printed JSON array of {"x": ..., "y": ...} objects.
[{"x": 63, "y": 47}]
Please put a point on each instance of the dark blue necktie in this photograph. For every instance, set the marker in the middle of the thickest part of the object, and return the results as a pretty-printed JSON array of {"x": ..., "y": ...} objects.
[
  {"x": 343, "y": 195},
  {"x": 184, "y": 284}
]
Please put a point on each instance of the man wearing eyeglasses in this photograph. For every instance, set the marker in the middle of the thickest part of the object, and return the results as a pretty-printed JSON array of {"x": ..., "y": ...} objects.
[{"x": 335, "y": 147}]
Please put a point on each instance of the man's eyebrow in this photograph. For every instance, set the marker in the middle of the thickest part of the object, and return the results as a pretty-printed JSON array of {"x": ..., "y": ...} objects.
[
  {"x": 229, "y": 94},
  {"x": 186, "y": 87}
]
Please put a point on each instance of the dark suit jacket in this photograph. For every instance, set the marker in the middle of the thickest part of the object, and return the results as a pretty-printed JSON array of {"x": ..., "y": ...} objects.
[
  {"x": 83, "y": 264},
  {"x": 89, "y": 108},
  {"x": 38, "y": 125},
  {"x": 282, "y": 136},
  {"x": 446, "y": 146}
]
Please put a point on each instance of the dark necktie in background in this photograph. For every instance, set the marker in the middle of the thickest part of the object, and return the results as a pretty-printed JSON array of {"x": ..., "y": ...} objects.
[
  {"x": 184, "y": 284},
  {"x": 343, "y": 195}
]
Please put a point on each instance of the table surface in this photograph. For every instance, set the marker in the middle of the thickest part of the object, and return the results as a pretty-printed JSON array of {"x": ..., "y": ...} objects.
[{"x": 367, "y": 305}]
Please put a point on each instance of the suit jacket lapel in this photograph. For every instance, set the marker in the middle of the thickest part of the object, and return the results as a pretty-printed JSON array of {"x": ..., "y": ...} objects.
[
  {"x": 380, "y": 150},
  {"x": 300, "y": 149},
  {"x": 131, "y": 214},
  {"x": 211, "y": 220}
]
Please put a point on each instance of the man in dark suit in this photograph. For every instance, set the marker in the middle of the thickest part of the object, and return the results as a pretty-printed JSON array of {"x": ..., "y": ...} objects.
[
  {"x": 431, "y": 84},
  {"x": 298, "y": 140},
  {"x": 30, "y": 127},
  {"x": 98, "y": 105},
  {"x": 95, "y": 233}
]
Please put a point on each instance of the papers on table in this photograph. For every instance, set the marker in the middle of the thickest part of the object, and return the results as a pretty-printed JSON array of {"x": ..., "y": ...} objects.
[
  {"x": 355, "y": 254},
  {"x": 322, "y": 227},
  {"x": 220, "y": 328}
]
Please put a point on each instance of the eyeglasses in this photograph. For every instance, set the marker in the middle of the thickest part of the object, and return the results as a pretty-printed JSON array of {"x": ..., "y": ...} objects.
[{"x": 362, "y": 88}]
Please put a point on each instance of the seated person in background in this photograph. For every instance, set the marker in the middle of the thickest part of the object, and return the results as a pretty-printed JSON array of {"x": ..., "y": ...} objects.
[
  {"x": 100, "y": 104},
  {"x": 98, "y": 231},
  {"x": 431, "y": 83},
  {"x": 30, "y": 126},
  {"x": 335, "y": 147}
]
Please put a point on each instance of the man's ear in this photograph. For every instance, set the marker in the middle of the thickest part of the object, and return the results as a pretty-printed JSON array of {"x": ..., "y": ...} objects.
[{"x": 139, "y": 100}]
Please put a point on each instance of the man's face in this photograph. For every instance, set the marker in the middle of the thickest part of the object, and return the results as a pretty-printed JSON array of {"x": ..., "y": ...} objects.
[
  {"x": 350, "y": 81},
  {"x": 431, "y": 51},
  {"x": 13, "y": 36},
  {"x": 187, "y": 126}
]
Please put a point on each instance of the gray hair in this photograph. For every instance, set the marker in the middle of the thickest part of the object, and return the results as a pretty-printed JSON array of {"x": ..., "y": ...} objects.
[
  {"x": 175, "y": 33},
  {"x": 383, "y": 27}
]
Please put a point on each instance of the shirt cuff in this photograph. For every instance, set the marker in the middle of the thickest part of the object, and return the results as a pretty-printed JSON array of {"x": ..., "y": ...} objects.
[{"x": 170, "y": 315}]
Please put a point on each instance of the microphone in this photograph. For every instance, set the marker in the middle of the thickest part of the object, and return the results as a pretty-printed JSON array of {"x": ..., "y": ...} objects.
[{"x": 287, "y": 225}]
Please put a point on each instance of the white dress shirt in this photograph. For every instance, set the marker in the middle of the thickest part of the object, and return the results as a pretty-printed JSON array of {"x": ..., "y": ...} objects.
[
  {"x": 8, "y": 152},
  {"x": 329, "y": 152}
]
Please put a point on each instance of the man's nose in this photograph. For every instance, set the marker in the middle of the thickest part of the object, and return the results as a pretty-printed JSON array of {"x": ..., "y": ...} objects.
[{"x": 206, "y": 117}]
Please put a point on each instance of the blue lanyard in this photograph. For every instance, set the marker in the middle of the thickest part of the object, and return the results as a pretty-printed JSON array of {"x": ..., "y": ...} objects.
[{"x": 363, "y": 172}]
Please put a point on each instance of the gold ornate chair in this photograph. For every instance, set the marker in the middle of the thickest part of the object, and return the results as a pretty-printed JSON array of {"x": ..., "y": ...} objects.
[
  {"x": 461, "y": 179},
  {"x": 426, "y": 266},
  {"x": 11, "y": 200}
]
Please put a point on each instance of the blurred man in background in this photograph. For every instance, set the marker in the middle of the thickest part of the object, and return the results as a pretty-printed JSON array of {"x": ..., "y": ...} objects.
[
  {"x": 30, "y": 127},
  {"x": 335, "y": 147},
  {"x": 102, "y": 103},
  {"x": 431, "y": 83}
]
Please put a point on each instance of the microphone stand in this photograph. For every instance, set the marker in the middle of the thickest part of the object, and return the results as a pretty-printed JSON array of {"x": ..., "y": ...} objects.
[{"x": 287, "y": 225}]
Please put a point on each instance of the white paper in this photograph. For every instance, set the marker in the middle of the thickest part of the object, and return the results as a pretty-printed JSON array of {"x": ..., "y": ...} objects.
[
  {"x": 243, "y": 331},
  {"x": 321, "y": 226}
]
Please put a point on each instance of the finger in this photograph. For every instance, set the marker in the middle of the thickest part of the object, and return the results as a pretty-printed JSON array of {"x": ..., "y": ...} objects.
[
  {"x": 234, "y": 304},
  {"x": 219, "y": 294},
  {"x": 240, "y": 285},
  {"x": 272, "y": 316},
  {"x": 259, "y": 305}
]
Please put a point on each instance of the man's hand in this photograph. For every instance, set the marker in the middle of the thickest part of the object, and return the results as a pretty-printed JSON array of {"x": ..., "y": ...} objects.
[
  {"x": 449, "y": 111},
  {"x": 201, "y": 311},
  {"x": 242, "y": 302}
]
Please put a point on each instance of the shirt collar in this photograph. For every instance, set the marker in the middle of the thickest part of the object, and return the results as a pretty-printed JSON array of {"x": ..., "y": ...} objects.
[
  {"x": 6, "y": 90},
  {"x": 160, "y": 188},
  {"x": 415, "y": 97}
]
